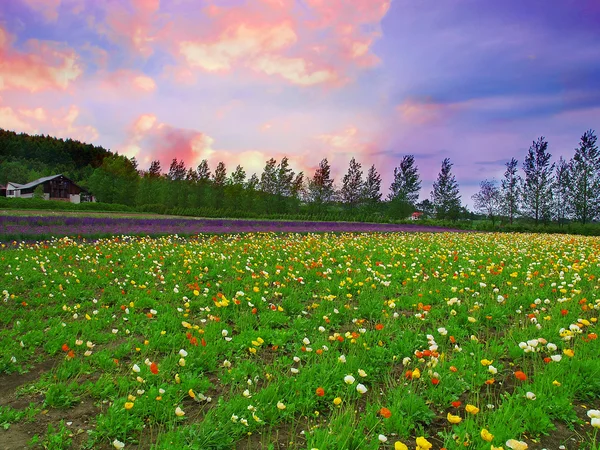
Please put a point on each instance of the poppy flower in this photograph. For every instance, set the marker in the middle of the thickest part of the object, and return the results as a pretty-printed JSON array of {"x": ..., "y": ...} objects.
[
  {"x": 379, "y": 326},
  {"x": 472, "y": 409},
  {"x": 453, "y": 369},
  {"x": 456, "y": 403},
  {"x": 453, "y": 419},
  {"x": 154, "y": 368},
  {"x": 423, "y": 444},
  {"x": 520, "y": 375},
  {"x": 128, "y": 405},
  {"x": 385, "y": 413},
  {"x": 179, "y": 412},
  {"x": 337, "y": 401},
  {"x": 400, "y": 446},
  {"x": 65, "y": 348},
  {"x": 486, "y": 435},
  {"x": 516, "y": 445},
  {"x": 320, "y": 391}
]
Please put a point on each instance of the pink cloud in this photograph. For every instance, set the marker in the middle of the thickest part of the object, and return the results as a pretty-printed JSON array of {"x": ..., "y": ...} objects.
[
  {"x": 62, "y": 122},
  {"x": 45, "y": 65},
  {"x": 128, "y": 81}
]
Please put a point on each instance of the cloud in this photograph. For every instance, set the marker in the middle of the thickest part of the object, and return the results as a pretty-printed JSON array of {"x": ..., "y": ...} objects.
[
  {"x": 47, "y": 8},
  {"x": 127, "y": 81},
  {"x": 43, "y": 66},
  {"x": 62, "y": 123}
]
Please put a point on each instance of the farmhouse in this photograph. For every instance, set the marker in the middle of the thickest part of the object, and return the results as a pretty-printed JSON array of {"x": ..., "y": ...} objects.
[
  {"x": 56, "y": 187},
  {"x": 416, "y": 215}
]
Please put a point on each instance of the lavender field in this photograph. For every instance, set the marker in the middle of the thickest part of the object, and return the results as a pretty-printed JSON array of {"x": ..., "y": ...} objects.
[{"x": 29, "y": 227}]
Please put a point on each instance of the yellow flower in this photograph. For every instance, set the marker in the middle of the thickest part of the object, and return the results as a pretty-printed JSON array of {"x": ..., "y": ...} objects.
[
  {"x": 516, "y": 445},
  {"x": 337, "y": 401},
  {"x": 191, "y": 393},
  {"x": 496, "y": 448},
  {"x": 128, "y": 405},
  {"x": 472, "y": 319},
  {"x": 453, "y": 419},
  {"x": 472, "y": 409},
  {"x": 486, "y": 362},
  {"x": 400, "y": 446},
  {"x": 423, "y": 444},
  {"x": 416, "y": 374},
  {"x": 569, "y": 352},
  {"x": 556, "y": 383},
  {"x": 486, "y": 435}
]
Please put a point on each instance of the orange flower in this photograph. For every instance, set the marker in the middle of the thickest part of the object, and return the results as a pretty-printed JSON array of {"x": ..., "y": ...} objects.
[
  {"x": 320, "y": 391},
  {"x": 435, "y": 381},
  {"x": 65, "y": 348},
  {"x": 456, "y": 403},
  {"x": 592, "y": 336},
  {"x": 453, "y": 369},
  {"x": 520, "y": 375},
  {"x": 385, "y": 413},
  {"x": 490, "y": 381},
  {"x": 154, "y": 368},
  {"x": 379, "y": 326}
]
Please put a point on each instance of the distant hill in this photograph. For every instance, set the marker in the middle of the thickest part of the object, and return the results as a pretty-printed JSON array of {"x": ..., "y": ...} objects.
[{"x": 25, "y": 157}]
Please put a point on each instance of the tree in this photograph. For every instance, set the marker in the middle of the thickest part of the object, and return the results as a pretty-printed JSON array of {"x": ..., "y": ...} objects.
[
  {"x": 537, "y": 186},
  {"x": 406, "y": 184},
  {"x": 177, "y": 170},
  {"x": 372, "y": 187},
  {"x": 320, "y": 186},
  {"x": 191, "y": 176},
  {"x": 220, "y": 176},
  {"x": 238, "y": 176},
  {"x": 298, "y": 186},
  {"x": 284, "y": 178},
  {"x": 584, "y": 170},
  {"x": 511, "y": 190},
  {"x": 352, "y": 185},
  {"x": 445, "y": 194},
  {"x": 426, "y": 207},
  {"x": 38, "y": 192},
  {"x": 155, "y": 170},
  {"x": 268, "y": 179},
  {"x": 561, "y": 191},
  {"x": 488, "y": 200},
  {"x": 203, "y": 171}
]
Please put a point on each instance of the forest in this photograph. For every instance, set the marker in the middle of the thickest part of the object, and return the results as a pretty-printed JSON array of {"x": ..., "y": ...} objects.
[{"x": 537, "y": 191}]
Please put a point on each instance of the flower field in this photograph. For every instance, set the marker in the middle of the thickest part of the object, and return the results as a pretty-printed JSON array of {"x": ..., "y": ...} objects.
[{"x": 301, "y": 341}]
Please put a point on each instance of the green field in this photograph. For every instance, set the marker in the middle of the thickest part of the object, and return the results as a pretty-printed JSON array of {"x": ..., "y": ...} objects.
[{"x": 312, "y": 341}]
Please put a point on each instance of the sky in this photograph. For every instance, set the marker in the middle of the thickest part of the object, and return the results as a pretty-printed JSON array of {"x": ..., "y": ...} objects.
[{"x": 242, "y": 81}]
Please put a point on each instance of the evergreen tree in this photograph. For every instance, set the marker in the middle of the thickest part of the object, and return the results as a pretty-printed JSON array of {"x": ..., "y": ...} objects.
[
  {"x": 372, "y": 187},
  {"x": 511, "y": 190},
  {"x": 537, "y": 186},
  {"x": 585, "y": 179},
  {"x": 320, "y": 186},
  {"x": 488, "y": 200},
  {"x": 298, "y": 186},
  {"x": 352, "y": 185},
  {"x": 561, "y": 191},
  {"x": 268, "y": 179},
  {"x": 220, "y": 176},
  {"x": 285, "y": 176},
  {"x": 191, "y": 176},
  {"x": 238, "y": 176},
  {"x": 445, "y": 195},
  {"x": 406, "y": 184},
  {"x": 177, "y": 170},
  {"x": 203, "y": 171},
  {"x": 155, "y": 170}
]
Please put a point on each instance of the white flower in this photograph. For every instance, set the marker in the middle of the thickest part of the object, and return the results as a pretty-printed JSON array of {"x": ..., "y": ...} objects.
[
  {"x": 406, "y": 361},
  {"x": 306, "y": 341},
  {"x": 182, "y": 362},
  {"x": 280, "y": 405},
  {"x": 362, "y": 373},
  {"x": 349, "y": 379},
  {"x": 246, "y": 393},
  {"x": 234, "y": 418},
  {"x": 593, "y": 414},
  {"x": 552, "y": 347},
  {"x": 361, "y": 388},
  {"x": 442, "y": 331},
  {"x": 595, "y": 422},
  {"x": 179, "y": 412},
  {"x": 226, "y": 364},
  {"x": 118, "y": 444},
  {"x": 382, "y": 438},
  {"x": 342, "y": 359},
  {"x": 183, "y": 353},
  {"x": 530, "y": 396},
  {"x": 296, "y": 359},
  {"x": 492, "y": 370},
  {"x": 294, "y": 370},
  {"x": 224, "y": 333},
  {"x": 136, "y": 368},
  {"x": 556, "y": 358}
]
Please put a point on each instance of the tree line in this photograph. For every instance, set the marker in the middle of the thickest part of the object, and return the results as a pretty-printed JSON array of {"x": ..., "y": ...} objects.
[{"x": 546, "y": 191}]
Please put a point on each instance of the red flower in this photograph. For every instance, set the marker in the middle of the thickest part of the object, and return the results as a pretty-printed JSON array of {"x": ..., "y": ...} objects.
[
  {"x": 320, "y": 391},
  {"x": 564, "y": 312},
  {"x": 456, "y": 403},
  {"x": 203, "y": 342},
  {"x": 154, "y": 368},
  {"x": 379, "y": 326},
  {"x": 547, "y": 359},
  {"x": 435, "y": 381},
  {"x": 65, "y": 348},
  {"x": 385, "y": 413},
  {"x": 71, "y": 354},
  {"x": 520, "y": 375}
]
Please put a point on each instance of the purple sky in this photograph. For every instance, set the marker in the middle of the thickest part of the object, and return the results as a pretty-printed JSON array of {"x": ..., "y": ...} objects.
[{"x": 243, "y": 81}]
